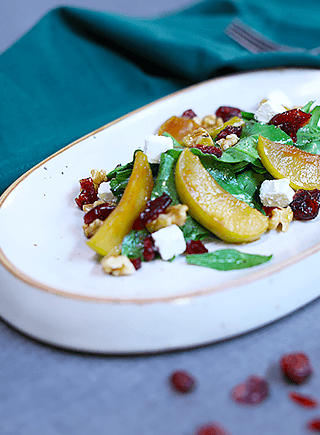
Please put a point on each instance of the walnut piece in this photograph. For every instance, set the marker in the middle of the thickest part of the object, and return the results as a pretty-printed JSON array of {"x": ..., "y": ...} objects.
[
  {"x": 197, "y": 137},
  {"x": 280, "y": 216},
  {"x": 117, "y": 266},
  {"x": 174, "y": 214},
  {"x": 91, "y": 229},
  {"x": 212, "y": 121},
  {"x": 98, "y": 177},
  {"x": 88, "y": 207},
  {"x": 228, "y": 142}
]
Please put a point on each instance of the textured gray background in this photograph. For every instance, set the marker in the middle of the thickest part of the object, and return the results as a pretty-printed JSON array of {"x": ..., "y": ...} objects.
[{"x": 48, "y": 391}]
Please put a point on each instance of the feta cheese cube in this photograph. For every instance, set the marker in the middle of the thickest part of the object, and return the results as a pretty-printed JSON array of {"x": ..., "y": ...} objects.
[
  {"x": 169, "y": 241},
  {"x": 281, "y": 97},
  {"x": 155, "y": 145},
  {"x": 268, "y": 110},
  {"x": 276, "y": 193}
]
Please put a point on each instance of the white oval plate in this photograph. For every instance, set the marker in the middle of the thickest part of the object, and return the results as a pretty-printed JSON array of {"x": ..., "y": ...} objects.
[{"x": 53, "y": 289}]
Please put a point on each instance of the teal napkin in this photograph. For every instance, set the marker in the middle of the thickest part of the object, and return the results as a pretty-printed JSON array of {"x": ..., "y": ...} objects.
[{"x": 77, "y": 69}]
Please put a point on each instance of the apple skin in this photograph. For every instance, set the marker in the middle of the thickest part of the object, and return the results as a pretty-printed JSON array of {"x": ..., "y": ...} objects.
[
  {"x": 288, "y": 161},
  {"x": 229, "y": 218},
  {"x": 108, "y": 239}
]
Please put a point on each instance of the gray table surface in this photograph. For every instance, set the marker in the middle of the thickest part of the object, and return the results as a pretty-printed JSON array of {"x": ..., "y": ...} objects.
[{"x": 49, "y": 391}]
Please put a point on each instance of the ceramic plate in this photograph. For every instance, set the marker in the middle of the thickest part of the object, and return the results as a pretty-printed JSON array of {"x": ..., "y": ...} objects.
[{"x": 53, "y": 288}]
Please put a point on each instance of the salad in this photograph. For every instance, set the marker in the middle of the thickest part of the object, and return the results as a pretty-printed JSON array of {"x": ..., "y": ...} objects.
[{"x": 232, "y": 175}]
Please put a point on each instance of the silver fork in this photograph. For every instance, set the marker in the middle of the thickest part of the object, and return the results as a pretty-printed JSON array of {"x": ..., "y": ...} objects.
[{"x": 255, "y": 42}]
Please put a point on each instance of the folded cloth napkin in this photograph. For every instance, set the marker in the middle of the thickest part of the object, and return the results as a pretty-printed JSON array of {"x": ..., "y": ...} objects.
[{"x": 77, "y": 69}]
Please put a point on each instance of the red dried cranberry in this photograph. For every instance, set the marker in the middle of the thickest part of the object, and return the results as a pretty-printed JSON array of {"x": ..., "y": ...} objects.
[
  {"x": 296, "y": 367},
  {"x": 209, "y": 149},
  {"x": 149, "y": 250},
  {"x": 153, "y": 208},
  {"x": 188, "y": 114},
  {"x": 136, "y": 262},
  {"x": 182, "y": 381},
  {"x": 305, "y": 204},
  {"x": 195, "y": 247},
  {"x": 100, "y": 211},
  {"x": 252, "y": 392},
  {"x": 303, "y": 400},
  {"x": 227, "y": 112},
  {"x": 211, "y": 429},
  {"x": 230, "y": 129},
  {"x": 290, "y": 121},
  {"x": 268, "y": 210},
  {"x": 88, "y": 194},
  {"x": 314, "y": 425}
]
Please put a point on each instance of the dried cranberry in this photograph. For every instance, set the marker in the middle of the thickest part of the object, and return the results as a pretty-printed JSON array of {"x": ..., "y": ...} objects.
[
  {"x": 290, "y": 121},
  {"x": 268, "y": 210},
  {"x": 136, "y": 262},
  {"x": 188, "y": 114},
  {"x": 305, "y": 204},
  {"x": 303, "y": 400},
  {"x": 100, "y": 211},
  {"x": 153, "y": 208},
  {"x": 211, "y": 429},
  {"x": 296, "y": 367},
  {"x": 182, "y": 381},
  {"x": 253, "y": 391},
  {"x": 314, "y": 425},
  {"x": 230, "y": 129},
  {"x": 195, "y": 247},
  {"x": 209, "y": 149},
  {"x": 149, "y": 250},
  {"x": 88, "y": 194},
  {"x": 227, "y": 112}
]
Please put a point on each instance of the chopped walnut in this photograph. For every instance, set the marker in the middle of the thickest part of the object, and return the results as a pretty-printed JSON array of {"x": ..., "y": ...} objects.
[
  {"x": 197, "y": 120},
  {"x": 117, "y": 266},
  {"x": 228, "y": 142},
  {"x": 88, "y": 207},
  {"x": 281, "y": 216},
  {"x": 197, "y": 137},
  {"x": 98, "y": 177},
  {"x": 91, "y": 229},
  {"x": 174, "y": 214},
  {"x": 212, "y": 121}
]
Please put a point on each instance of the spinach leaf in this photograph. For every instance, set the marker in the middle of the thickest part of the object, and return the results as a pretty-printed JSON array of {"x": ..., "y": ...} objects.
[
  {"x": 308, "y": 137},
  {"x": 227, "y": 259},
  {"x": 132, "y": 244}
]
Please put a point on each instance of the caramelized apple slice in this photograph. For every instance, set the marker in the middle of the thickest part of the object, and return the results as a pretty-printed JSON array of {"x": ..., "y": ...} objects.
[
  {"x": 109, "y": 237},
  {"x": 288, "y": 161},
  {"x": 229, "y": 218}
]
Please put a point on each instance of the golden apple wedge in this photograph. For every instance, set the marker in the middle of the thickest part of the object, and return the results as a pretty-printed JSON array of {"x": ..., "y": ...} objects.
[
  {"x": 229, "y": 218},
  {"x": 288, "y": 161},
  {"x": 108, "y": 239}
]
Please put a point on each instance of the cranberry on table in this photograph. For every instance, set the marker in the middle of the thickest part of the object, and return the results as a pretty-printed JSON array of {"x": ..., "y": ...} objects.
[
  {"x": 314, "y": 425},
  {"x": 182, "y": 381},
  {"x": 296, "y": 367},
  {"x": 211, "y": 429},
  {"x": 303, "y": 400},
  {"x": 253, "y": 391}
]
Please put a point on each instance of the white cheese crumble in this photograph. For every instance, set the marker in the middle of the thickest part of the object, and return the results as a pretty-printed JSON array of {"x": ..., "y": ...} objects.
[
  {"x": 281, "y": 97},
  {"x": 268, "y": 110},
  {"x": 276, "y": 193},
  {"x": 155, "y": 145},
  {"x": 169, "y": 241}
]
